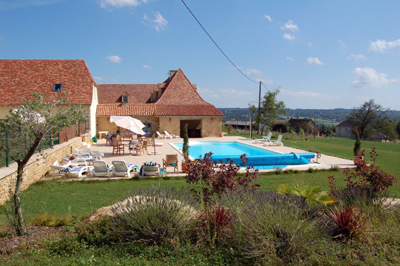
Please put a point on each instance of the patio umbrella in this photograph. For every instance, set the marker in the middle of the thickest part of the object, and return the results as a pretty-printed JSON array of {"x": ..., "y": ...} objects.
[{"x": 129, "y": 123}]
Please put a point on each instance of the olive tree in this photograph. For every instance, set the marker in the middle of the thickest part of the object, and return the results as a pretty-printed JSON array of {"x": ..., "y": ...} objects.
[
  {"x": 23, "y": 130},
  {"x": 270, "y": 109},
  {"x": 369, "y": 117}
]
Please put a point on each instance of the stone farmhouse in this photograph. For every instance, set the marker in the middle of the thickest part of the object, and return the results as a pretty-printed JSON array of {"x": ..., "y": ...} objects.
[
  {"x": 164, "y": 106},
  {"x": 19, "y": 79}
]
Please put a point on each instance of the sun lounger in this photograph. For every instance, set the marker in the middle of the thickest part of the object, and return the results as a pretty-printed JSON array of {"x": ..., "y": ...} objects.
[
  {"x": 266, "y": 140},
  {"x": 278, "y": 142},
  {"x": 160, "y": 136},
  {"x": 100, "y": 168},
  {"x": 57, "y": 167},
  {"x": 150, "y": 169},
  {"x": 75, "y": 172},
  {"x": 170, "y": 136},
  {"x": 121, "y": 168}
]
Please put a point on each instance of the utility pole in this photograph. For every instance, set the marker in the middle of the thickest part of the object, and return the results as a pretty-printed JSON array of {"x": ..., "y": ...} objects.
[{"x": 259, "y": 109}]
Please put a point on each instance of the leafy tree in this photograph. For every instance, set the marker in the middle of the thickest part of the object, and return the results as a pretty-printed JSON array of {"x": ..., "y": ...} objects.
[
  {"x": 398, "y": 129},
  {"x": 368, "y": 117},
  {"x": 22, "y": 131},
  {"x": 270, "y": 109},
  {"x": 389, "y": 129}
]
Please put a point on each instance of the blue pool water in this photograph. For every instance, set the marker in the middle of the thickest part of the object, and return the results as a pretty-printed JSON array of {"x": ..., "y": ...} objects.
[{"x": 260, "y": 158}]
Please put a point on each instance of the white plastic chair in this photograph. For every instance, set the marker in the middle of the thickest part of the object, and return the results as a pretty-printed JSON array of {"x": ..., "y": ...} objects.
[
  {"x": 100, "y": 168},
  {"x": 121, "y": 168}
]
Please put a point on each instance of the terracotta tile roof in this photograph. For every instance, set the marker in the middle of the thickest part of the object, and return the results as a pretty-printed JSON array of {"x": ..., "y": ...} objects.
[
  {"x": 20, "y": 78},
  {"x": 138, "y": 93},
  {"x": 181, "y": 98},
  {"x": 130, "y": 109},
  {"x": 180, "y": 91},
  {"x": 187, "y": 110}
]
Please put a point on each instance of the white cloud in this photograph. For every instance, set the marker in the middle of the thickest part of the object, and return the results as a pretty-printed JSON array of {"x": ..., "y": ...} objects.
[
  {"x": 369, "y": 77},
  {"x": 16, "y": 4},
  {"x": 306, "y": 94},
  {"x": 268, "y": 18},
  {"x": 314, "y": 61},
  {"x": 309, "y": 44},
  {"x": 290, "y": 58},
  {"x": 265, "y": 81},
  {"x": 289, "y": 37},
  {"x": 342, "y": 44},
  {"x": 147, "y": 67},
  {"x": 115, "y": 59},
  {"x": 382, "y": 46},
  {"x": 120, "y": 3},
  {"x": 1, "y": 37},
  {"x": 98, "y": 78},
  {"x": 252, "y": 71},
  {"x": 356, "y": 57},
  {"x": 290, "y": 26},
  {"x": 158, "y": 23}
]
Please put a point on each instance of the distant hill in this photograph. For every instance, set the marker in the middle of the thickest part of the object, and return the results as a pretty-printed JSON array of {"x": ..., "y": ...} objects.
[{"x": 323, "y": 116}]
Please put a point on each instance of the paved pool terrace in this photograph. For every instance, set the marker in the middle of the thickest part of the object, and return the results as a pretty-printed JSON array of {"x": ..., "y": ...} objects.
[{"x": 324, "y": 162}]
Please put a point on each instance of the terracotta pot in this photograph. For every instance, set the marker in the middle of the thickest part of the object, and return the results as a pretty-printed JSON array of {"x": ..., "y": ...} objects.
[
  {"x": 358, "y": 158},
  {"x": 221, "y": 134},
  {"x": 185, "y": 167},
  {"x": 229, "y": 132}
]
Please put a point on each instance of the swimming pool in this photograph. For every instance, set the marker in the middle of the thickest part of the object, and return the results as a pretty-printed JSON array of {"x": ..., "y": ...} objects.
[{"x": 260, "y": 158}]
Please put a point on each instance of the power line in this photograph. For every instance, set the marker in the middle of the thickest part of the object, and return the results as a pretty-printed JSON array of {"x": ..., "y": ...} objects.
[{"x": 217, "y": 44}]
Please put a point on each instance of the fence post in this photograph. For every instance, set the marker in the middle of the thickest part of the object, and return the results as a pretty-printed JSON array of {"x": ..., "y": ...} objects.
[
  {"x": 7, "y": 160},
  {"x": 51, "y": 142}
]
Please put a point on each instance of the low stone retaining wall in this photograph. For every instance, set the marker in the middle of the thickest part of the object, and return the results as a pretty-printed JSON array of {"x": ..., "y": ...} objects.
[{"x": 37, "y": 167}]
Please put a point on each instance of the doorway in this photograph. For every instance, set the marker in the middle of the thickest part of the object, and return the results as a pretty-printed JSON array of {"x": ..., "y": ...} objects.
[{"x": 194, "y": 128}]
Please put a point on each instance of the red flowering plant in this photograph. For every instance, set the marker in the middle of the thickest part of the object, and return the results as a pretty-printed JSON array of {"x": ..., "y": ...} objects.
[{"x": 215, "y": 178}]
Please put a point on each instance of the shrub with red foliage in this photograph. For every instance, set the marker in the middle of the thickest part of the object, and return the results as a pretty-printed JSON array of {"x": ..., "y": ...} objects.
[
  {"x": 215, "y": 224},
  {"x": 215, "y": 178},
  {"x": 367, "y": 176},
  {"x": 348, "y": 222}
]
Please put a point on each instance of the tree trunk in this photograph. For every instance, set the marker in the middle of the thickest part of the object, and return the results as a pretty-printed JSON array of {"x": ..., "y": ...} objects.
[{"x": 20, "y": 225}]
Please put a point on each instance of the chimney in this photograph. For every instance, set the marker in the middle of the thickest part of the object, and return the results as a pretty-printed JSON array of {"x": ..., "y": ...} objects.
[{"x": 172, "y": 72}]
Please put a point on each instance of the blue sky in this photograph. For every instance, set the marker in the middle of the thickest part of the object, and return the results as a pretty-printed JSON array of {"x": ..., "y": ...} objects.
[{"x": 322, "y": 54}]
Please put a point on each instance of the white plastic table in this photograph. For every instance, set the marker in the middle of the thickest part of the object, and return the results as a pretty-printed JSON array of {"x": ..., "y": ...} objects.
[{"x": 102, "y": 132}]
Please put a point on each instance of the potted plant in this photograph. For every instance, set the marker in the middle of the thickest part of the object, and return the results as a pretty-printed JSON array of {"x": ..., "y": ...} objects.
[
  {"x": 229, "y": 128},
  {"x": 357, "y": 147},
  {"x": 185, "y": 150}
]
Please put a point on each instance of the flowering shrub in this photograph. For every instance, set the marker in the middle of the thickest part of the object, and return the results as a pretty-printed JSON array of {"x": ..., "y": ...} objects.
[{"x": 215, "y": 178}]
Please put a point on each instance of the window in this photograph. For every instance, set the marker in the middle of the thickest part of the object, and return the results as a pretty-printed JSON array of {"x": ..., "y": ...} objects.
[
  {"x": 57, "y": 87},
  {"x": 124, "y": 97}
]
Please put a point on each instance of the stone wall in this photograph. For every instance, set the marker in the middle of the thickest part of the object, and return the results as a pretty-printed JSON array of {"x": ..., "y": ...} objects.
[{"x": 37, "y": 166}]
